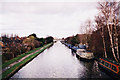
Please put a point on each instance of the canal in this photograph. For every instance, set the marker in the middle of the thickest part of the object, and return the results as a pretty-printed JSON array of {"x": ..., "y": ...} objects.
[{"x": 59, "y": 62}]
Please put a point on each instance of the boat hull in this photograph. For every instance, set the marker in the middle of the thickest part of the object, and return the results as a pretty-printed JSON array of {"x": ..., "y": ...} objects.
[
  {"x": 108, "y": 72},
  {"x": 105, "y": 69},
  {"x": 84, "y": 59},
  {"x": 73, "y": 50}
]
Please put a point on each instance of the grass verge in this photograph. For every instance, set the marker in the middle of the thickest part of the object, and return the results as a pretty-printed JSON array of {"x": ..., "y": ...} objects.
[{"x": 17, "y": 58}]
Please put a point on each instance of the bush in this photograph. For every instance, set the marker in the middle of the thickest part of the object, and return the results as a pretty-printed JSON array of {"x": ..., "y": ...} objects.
[
  {"x": 36, "y": 43},
  {"x": 7, "y": 56},
  {"x": 23, "y": 49},
  {"x": 41, "y": 40},
  {"x": 49, "y": 39}
]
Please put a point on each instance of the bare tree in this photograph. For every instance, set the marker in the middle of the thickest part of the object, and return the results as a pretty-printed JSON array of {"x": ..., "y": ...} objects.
[
  {"x": 88, "y": 26},
  {"x": 107, "y": 10},
  {"x": 89, "y": 29},
  {"x": 115, "y": 22},
  {"x": 100, "y": 25}
]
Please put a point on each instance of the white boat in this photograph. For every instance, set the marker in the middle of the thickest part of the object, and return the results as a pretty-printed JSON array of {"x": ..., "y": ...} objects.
[{"x": 84, "y": 55}]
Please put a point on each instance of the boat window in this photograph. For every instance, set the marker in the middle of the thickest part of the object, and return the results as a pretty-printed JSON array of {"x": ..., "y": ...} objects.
[
  {"x": 114, "y": 68},
  {"x": 106, "y": 64},
  {"x": 102, "y": 62},
  {"x": 109, "y": 65}
]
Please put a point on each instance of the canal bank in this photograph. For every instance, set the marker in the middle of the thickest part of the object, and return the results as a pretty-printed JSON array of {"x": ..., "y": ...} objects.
[
  {"x": 20, "y": 61},
  {"x": 59, "y": 62}
]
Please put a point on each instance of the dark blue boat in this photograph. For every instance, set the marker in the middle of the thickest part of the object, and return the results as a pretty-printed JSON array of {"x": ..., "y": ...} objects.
[{"x": 82, "y": 46}]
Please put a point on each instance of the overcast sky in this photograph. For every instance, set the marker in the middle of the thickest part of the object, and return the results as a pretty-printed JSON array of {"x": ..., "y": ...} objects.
[{"x": 57, "y": 18}]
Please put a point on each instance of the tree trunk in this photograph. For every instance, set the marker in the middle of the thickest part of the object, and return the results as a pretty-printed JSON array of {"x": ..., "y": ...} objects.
[
  {"x": 104, "y": 46},
  {"x": 117, "y": 49},
  {"x": 116, "y": 40},
  {"x": 111, "y": 41}
]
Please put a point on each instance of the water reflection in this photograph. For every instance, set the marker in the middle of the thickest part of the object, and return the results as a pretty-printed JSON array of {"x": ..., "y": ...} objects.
[{"x": 59, "y": 62}]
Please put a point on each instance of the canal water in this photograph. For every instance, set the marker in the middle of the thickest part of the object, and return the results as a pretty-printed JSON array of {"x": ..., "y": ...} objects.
[{"x": 59, "y": 62}]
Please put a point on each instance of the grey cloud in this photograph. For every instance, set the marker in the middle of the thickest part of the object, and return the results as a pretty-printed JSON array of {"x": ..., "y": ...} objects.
[
  {"x": 56, "y": 19},
  {"x": 45, "y": 8}
]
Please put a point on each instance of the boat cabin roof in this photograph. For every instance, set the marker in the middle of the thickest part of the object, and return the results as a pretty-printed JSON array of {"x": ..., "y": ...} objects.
[{"x": 81, "y": 50}]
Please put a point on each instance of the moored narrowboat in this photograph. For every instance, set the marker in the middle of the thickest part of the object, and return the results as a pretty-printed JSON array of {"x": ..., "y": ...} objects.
[
  {"x": 74, "y": 48},
  {"x": 111, "y": 66},
  {"x": 84, "y": 55}
]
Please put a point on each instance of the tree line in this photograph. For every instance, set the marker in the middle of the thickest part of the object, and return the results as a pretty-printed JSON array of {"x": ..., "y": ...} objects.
[{"x": 12, "y": 46}]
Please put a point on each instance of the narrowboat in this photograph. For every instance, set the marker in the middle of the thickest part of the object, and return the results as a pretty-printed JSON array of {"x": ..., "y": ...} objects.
[
  {"x": 82, "y": 46},
  {"x": 74, "y": 48},
  {"x": 112, "y": 67},
  {"x": 84, "y": 55}
]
